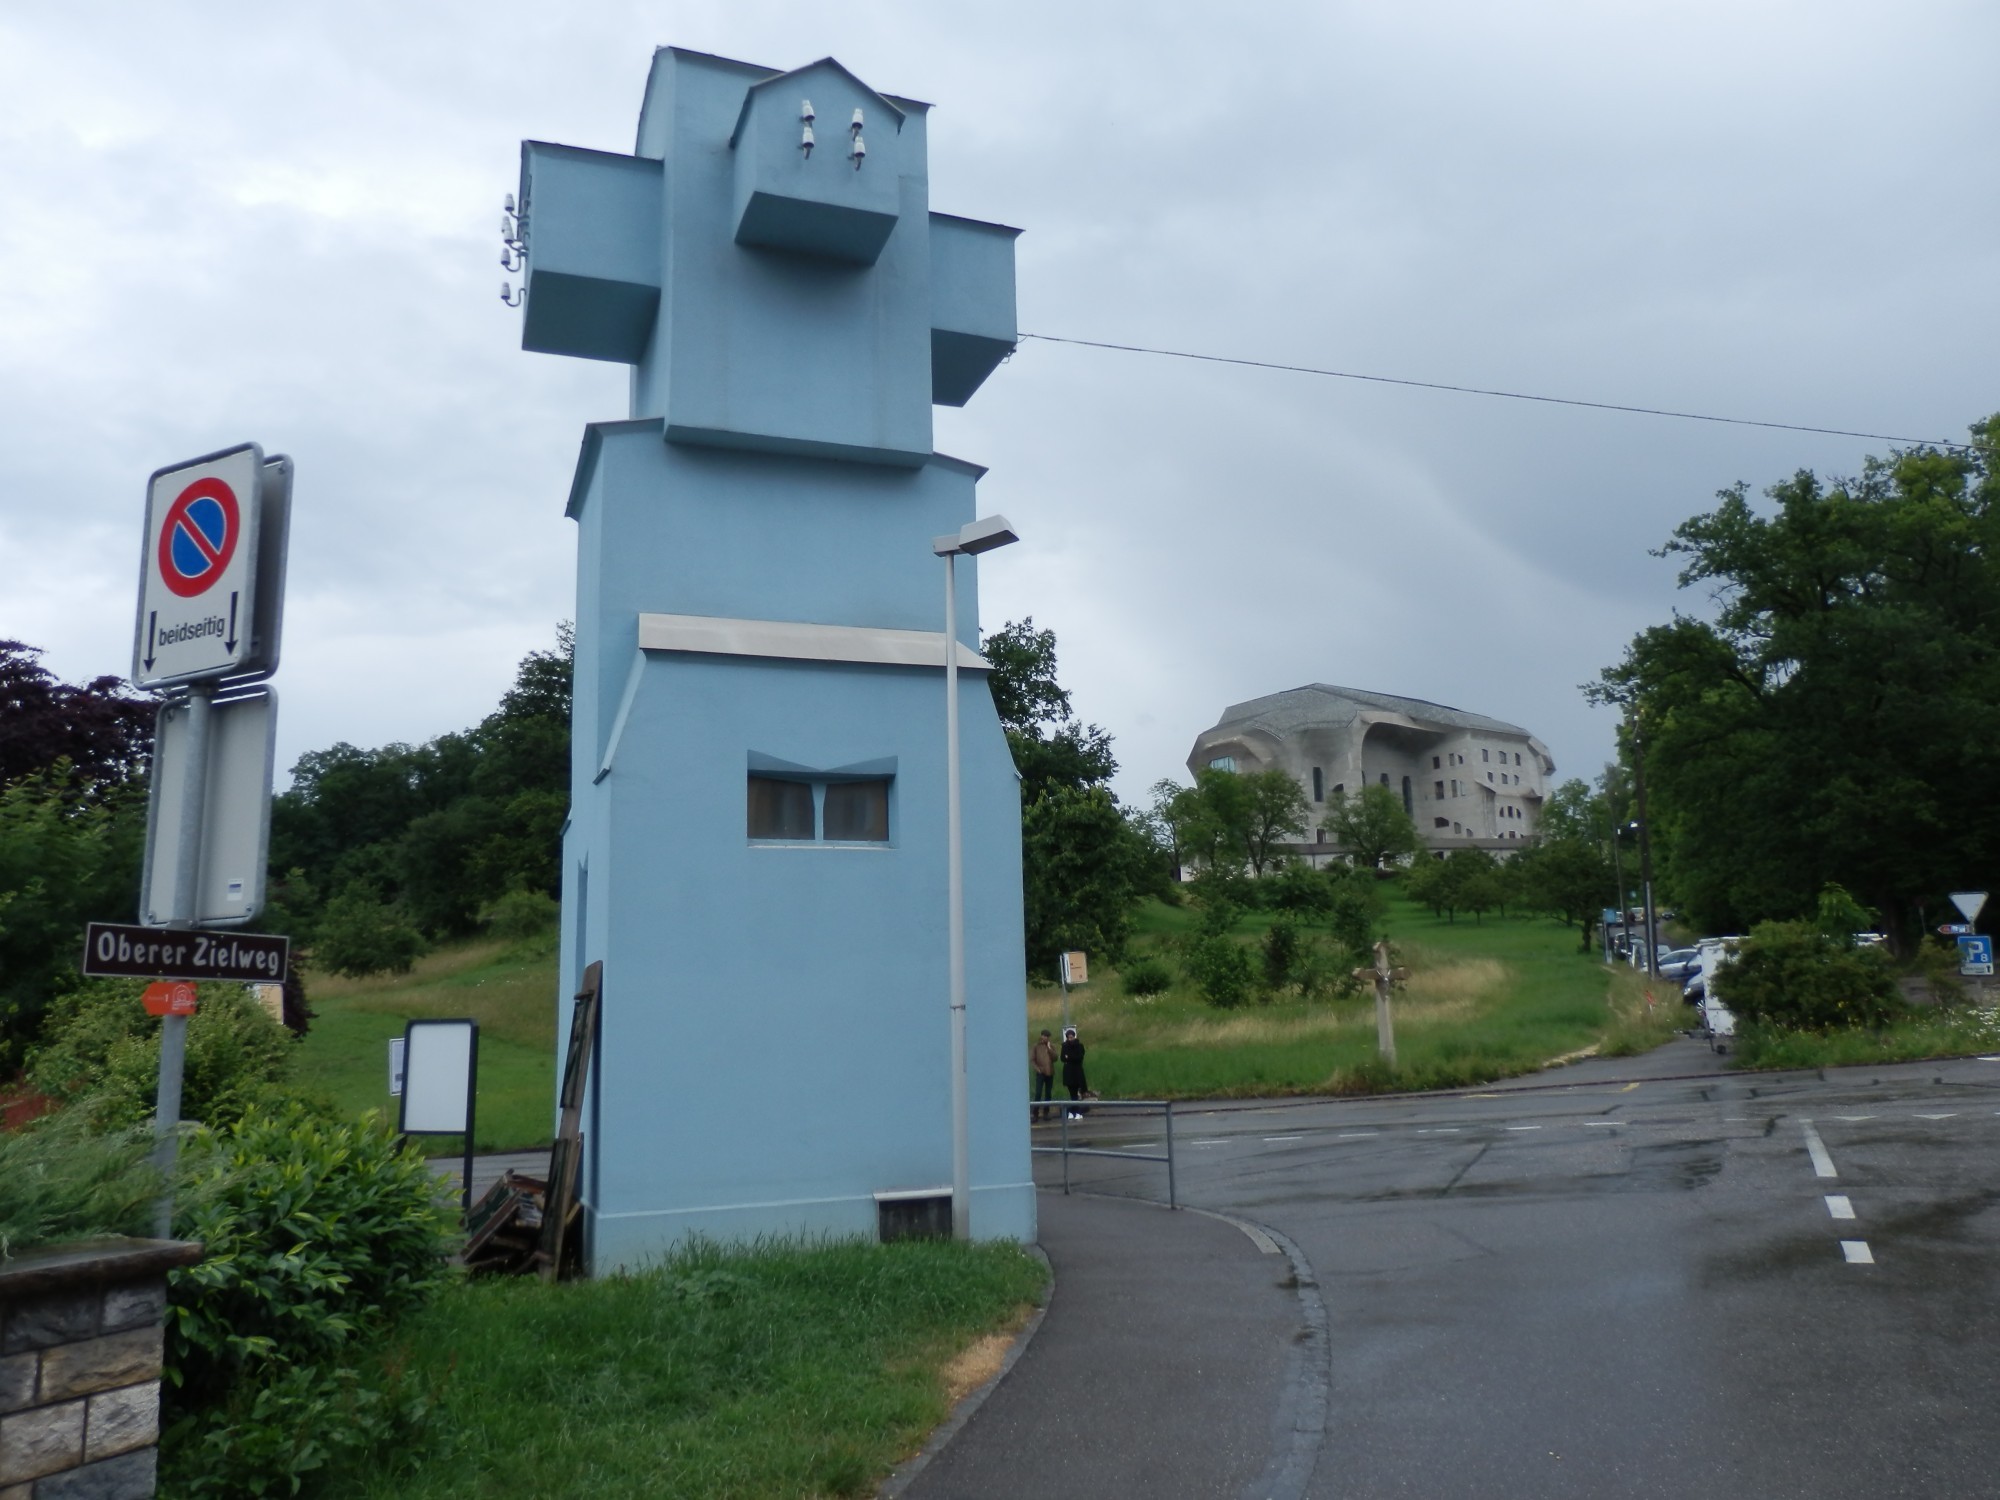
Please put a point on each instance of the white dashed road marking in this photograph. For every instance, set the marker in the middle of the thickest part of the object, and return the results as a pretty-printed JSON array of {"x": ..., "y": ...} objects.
[
  {"x": 1274, "y": 1139},
  {"x": 1854, "y": 1117},
  {"x": 1358, "y": 1135},
  {"x": 1839, "y": 1206},
  {"x": 1822, "y": 1163},
  {"x": 1517, "y": 1127},
  {"x": 1857, "y": 1252},
  {"x": 1952, "y": 1116},
  {"x": 1609, "y": 1124}
]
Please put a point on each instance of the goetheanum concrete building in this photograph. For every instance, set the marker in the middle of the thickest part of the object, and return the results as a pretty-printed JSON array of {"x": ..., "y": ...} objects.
[{"x": 1467, "y": 781}]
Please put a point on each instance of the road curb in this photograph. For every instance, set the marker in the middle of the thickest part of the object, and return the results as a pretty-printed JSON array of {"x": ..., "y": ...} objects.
[
  {"x": 1299, "y": 1425},
  {"x": 905, "y": 1474}
]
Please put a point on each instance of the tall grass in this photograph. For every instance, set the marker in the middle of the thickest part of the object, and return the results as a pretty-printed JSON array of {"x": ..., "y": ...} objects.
[
  {"x": 1930, "y": 1033},
  {"x": 779, "y": 1370},
  {"x": 60, "y": 1180},
  {"x": 1484, "y": 1000}
]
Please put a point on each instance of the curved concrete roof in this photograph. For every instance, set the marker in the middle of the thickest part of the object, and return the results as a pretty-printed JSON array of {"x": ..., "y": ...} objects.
[{"x": 1321, "y": 705}]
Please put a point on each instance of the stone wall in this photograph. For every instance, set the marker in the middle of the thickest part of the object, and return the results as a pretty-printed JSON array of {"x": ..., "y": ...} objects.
[{"x": 80, "y": 1344}]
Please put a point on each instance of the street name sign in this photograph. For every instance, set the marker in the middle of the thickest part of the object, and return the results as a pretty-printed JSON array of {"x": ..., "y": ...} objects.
[
  {"x": 211, "y": 568},
  {"x": 119, "y": 950},
  {"x": 235, "y": 811},
  {"x": 1969, "y": 903},
  {"x": 1955, "y": 929}
]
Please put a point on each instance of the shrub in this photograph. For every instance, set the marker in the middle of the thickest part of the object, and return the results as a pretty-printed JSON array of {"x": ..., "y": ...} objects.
[
  {"x": 1301, "y": 889},
  {"x": 1284, "y": 950},
  {"x": 520, "y": 916},
  {"x": 1146, "y": 976},
  {"x": 319, "y": 1234},
  {"x": 1791, "y": 976},
  {"x": 360, "y": 934},
  {"x": 1355, "y": 913},
  {"x": 1937, "y": 960},
  {"x": 1223, "y": 895},
  {"x": 1221, "y": 969},
  {"x": 101, "y": 1055},
  {"x": 59, "y": 1180}
]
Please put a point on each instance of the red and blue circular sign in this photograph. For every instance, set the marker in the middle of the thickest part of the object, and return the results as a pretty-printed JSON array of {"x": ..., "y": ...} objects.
[{"x": 198, "y": 537}]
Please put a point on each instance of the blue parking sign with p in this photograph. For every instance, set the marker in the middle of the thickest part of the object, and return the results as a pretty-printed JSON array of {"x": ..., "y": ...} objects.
[{"x": 1975, "y": 955}]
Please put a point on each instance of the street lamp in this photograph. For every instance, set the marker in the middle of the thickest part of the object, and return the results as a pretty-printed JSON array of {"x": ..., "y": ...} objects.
[{"x": 969, "y": 540}]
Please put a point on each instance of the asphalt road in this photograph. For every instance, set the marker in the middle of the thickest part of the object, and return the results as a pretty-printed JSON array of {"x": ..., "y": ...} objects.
[{"x": 1624, "y": 1284}]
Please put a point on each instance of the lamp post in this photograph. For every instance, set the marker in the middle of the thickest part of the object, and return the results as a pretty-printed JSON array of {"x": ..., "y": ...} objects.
[
  {"x": 969, "y": 540},
  {"x": 1645, "y": 841}
]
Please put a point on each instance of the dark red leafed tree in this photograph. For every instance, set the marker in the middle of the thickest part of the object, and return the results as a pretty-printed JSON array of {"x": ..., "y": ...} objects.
[{"x": 104, "y": 733}]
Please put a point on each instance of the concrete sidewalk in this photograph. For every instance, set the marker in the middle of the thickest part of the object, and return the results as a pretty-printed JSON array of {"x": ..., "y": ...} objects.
[{"x": 1178, "y": 1357}]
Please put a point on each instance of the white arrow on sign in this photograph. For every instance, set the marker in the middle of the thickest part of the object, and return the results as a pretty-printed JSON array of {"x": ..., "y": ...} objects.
[{"x": 1968, "y": 903}]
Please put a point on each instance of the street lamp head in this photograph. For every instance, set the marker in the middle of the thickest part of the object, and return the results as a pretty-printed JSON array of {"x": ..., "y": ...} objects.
[{"x": 975, "y": 537}]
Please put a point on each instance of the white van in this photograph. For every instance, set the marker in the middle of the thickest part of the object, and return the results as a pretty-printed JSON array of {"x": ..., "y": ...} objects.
[{"x": 1718, "y": 1022}]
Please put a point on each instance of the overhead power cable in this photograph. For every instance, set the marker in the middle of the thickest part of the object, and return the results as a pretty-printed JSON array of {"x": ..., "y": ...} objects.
[{"x": 1475, "y": 390}]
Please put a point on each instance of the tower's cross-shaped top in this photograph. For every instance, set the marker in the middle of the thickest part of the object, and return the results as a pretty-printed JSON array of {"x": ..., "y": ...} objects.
[{"x": 768, "y": 263}]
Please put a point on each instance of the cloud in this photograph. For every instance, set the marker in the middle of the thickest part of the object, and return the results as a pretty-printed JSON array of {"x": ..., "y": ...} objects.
[{"x": 244, "y": 221}]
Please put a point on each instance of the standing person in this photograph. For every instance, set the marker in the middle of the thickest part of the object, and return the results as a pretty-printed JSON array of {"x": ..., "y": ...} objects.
[
  {"x": 1042, "y": 1069},
  {"x": 1072, "y": 1065}
]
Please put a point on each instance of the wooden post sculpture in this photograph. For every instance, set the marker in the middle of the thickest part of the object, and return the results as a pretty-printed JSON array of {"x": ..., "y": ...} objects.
[{"x": 1383, "y": 977}]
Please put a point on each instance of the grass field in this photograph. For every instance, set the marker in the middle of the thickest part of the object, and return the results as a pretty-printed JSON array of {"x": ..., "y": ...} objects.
[
  {"x": 716, "y": 1375},
  {"x": 510, "y": 991},
  {"x": 1484, "y": 1000}
]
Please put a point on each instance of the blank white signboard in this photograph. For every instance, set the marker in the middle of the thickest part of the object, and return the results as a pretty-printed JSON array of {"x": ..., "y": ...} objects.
[{"x": 437, "y": 1076}]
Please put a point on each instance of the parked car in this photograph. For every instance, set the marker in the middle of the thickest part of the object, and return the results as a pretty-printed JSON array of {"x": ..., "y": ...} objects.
[{"x": 1677, "y": 963}]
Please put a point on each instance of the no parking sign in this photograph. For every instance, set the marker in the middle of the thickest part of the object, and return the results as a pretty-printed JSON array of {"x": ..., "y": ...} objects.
[{"x": 214, "y": 542}]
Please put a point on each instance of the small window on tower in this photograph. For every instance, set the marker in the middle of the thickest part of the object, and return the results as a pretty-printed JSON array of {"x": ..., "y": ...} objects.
[
  {"x": 857, "y": 812},
  {"x": 781, "y": 809}
]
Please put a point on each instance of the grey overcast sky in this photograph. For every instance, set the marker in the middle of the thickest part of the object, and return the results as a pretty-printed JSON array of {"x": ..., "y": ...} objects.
[{"x": 230, "y": 221}]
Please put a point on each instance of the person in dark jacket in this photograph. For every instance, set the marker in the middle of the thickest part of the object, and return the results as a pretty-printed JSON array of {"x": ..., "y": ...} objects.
[{"x": 1072, "y": 1066}]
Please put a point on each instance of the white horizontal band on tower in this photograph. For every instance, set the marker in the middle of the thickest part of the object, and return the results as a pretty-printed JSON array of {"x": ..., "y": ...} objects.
[{"x": 789, "y": 640}]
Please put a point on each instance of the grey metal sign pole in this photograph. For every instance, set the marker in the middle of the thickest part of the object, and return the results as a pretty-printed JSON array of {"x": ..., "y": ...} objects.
[{"x": 173, "y": 1033}]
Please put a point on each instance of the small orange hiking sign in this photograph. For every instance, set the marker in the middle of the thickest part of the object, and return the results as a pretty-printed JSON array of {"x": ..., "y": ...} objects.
[{"x": 169, "y": 998}]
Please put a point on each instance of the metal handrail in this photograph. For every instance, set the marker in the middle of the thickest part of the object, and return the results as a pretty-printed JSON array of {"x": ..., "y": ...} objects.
[{"x": 1066, "y": 1150}]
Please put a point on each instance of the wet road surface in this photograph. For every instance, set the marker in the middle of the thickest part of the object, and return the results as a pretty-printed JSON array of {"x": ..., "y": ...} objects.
[{"x": 1635, "y": 1285}]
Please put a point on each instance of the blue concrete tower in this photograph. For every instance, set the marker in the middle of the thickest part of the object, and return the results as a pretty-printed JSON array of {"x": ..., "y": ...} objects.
[{"x": 756, "y": 845}]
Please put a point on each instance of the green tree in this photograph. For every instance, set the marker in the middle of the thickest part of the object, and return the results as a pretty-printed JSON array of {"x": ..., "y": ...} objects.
[
  {"x": 1424, "y": 882},
  {"x": 1084, "y": 867},
  {"x": 1371, "y": 826},
  {"x": 1085, "y": 862},
  {"x": 1566, "y": 872},
  {"x": 1566, "y": 878},
  {"x": 1476, "y": 881},
  {"x": 1836, "y": 717},
  {"x": 66, "y": 859},
  {"x": 1050, "y": 747},
  {"x": 1277, "y": 815},
  {"x": 445, "y": 827},
  {"x": 1230, "y": 819},
  {"x": 359, "y": 933}
]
